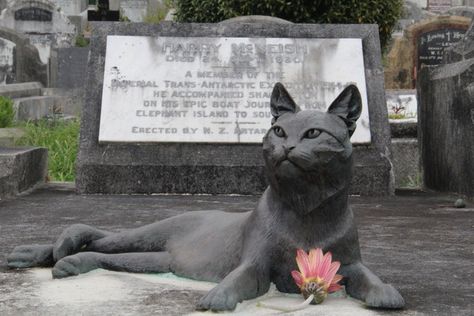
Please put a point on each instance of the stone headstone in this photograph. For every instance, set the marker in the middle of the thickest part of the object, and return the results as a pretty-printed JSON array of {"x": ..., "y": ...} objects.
[
  {"x": 105, "y": 10},
  {"x": 439, "y": 5},
  {"x": 461, "y": 11},
  {"x": 42, "y": 22},
  {"x": 71, "y": 7},
  {"x": 463, "y": 49},
  {"x": 7, "y": 61},
  {"x": 446, "y": 118},
  {"x": 134, "y": 10},
  {"x": 25, "y": 60},
  {"x": 145, "y": 157},
  {"x": 401, "y": 104},
  {"x": 423, "y": 43}
]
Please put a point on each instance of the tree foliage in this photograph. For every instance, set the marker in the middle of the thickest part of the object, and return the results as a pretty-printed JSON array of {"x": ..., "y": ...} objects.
[{"x": 385, "y": 13}]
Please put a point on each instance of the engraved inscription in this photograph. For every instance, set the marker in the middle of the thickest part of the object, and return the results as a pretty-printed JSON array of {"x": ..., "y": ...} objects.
[{"x": 172, "y": 89}]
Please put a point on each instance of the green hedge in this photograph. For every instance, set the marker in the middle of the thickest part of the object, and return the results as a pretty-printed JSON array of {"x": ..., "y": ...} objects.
[{"x": 385, "y": 13}]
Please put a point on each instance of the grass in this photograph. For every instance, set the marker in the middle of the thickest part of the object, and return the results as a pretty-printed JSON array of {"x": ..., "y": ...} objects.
[
  {"x": 7, "y": 113},
  {"x": 61, "y": 139}
]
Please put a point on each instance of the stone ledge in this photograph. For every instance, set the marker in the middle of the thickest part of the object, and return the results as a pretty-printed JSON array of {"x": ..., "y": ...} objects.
[
  {"x": 21, "y": 169},
  {"x": 21, "y": 90},
  {"x": 37, "y": 107}
]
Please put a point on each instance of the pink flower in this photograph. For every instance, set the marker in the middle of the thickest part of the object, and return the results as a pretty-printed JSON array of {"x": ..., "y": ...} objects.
[{"x": 317, "y": 274}]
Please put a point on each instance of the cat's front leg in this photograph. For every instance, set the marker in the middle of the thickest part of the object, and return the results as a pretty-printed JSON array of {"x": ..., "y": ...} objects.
[
  {"x": 365, "y": 285},
  {"x": 247, "y": 281}
]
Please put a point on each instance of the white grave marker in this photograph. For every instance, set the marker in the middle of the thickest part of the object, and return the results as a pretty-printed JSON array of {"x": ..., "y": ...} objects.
[{"x": 217, "y": 90}]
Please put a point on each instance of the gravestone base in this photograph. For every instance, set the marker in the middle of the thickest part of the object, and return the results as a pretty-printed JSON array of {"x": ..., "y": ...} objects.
[
  {"x": 241, "y": 171},
  {"x": 21, "y": 169},
  {"x": 216, "y": 168}
]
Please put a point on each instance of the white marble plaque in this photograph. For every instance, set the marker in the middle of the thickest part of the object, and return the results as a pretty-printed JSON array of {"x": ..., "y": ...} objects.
[{"x": 217, "y": 90}]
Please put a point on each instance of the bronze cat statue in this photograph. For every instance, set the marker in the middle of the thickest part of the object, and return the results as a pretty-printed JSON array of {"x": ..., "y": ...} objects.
[{"x": 308, "y": 162}]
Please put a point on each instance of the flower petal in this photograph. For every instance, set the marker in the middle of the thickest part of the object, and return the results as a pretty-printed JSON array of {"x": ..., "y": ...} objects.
[
  {"x": 334, "y": 287},
  {"x": 315, "y": 259},
  {"x": 337, "y": 278},
  {"x": 303, "y": 262},
  {"x": 325, "y": 265},
  {"x": 332, "y": 271},
  {"x": 297, "y": 277}
]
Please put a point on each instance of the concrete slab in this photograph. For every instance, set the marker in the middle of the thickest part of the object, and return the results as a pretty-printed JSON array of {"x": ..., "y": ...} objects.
[
  {"x": 417, "y": 241},
  {"x": 104, "y": 292}
]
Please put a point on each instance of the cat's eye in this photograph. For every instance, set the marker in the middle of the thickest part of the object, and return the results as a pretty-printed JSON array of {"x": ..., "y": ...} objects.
[
  {"x": 312, "y": 133},
  {"x": 279, "y": 131}
]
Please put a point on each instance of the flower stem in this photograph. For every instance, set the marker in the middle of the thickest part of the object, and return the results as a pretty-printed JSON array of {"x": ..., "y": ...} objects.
[{"x": 288, "y": 308}]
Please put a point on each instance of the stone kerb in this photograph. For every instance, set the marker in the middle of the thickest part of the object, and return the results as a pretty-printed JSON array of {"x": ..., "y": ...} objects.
[
  {"x": 217, "y": 168},
  {"x": 27, "y": 63},
  {"x": 403, "y": 58}
]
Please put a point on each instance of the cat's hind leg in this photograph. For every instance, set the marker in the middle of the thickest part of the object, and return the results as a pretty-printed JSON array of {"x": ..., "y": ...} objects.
[
  {"x": 75, "y": 238},
  {"x": 139, "y": 262},
  {"x": 365, "y": 285},
  {"x": 28, "y": 256}
]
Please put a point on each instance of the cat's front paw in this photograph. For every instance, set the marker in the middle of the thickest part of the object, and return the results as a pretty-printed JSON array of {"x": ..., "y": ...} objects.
[
  {"x": 218, "y": 299},
  {"x": 31, "y": 256},
  {"x": 74, "y": 265},
  {"x": 384, "y": 296}
]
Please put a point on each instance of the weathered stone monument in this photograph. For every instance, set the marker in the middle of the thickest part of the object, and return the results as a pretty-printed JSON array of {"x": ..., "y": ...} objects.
[
  {"x": 19, "y": 60},
  {"x": 422, "y": 43},
  {"x": 190, "y": 114},
  {"x": 134, "y": 10},
  {"x": 106, "y": 10},
  {"x": 71, "y": 7},
  {"x": 446, "y": 118},
  {"x": 7, "y": 58},
  {"x": 41, "y": 22}
]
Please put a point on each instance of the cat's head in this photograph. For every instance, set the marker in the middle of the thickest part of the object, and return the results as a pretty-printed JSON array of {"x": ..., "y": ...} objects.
[{"x": 309, "y": 152}]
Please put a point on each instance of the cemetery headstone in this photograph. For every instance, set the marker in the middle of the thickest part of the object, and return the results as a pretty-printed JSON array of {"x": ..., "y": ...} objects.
[
  {"x": 190, "y": 114},
  {"x": 134, "y": 10},
  {"x": 7, "y": 61},
  {"x": 462, "y": 50},
  {"x": 107, "y": 10},
  {"x": 401, "y": 104},
  {"x": 431, "y": 44},
  {"x": 423, "y": 43},
  {"x": 71, "y": 7},
  {"x": 446, "y": 118},
  {"x": 21, "y": 61},
  {"x": 42, "y": 22},
  {"x": 439, "y": 5}
]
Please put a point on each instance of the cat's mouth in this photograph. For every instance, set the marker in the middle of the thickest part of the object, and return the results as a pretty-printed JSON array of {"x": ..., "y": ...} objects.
[{"x": 288, "y": 163}]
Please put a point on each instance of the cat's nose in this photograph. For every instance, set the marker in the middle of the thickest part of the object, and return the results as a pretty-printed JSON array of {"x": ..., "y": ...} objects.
[{"x": 289, "y": 148}]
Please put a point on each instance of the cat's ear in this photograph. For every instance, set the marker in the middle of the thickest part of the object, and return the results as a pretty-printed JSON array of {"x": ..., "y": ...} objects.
[
  {"x": 281, "y": 102},
  {"x": 348, "y": 106}
]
